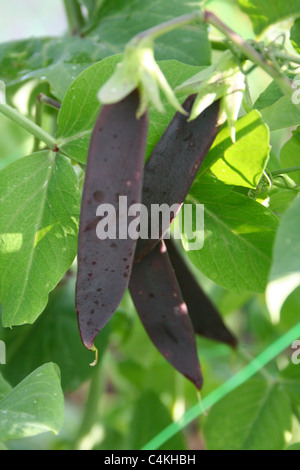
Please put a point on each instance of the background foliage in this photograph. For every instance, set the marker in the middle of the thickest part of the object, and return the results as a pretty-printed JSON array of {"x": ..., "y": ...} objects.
[{"x": 249, "y": 265}]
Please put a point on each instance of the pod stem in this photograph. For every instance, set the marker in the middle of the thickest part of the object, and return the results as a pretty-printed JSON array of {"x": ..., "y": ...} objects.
[
  {"x": 90, "y": 414},
  {"x": 167, "y": 26},
  {"x": 95, "y": 350},
  {"x": 243, "y": 46},
  {"x": 249, "y": 51}
]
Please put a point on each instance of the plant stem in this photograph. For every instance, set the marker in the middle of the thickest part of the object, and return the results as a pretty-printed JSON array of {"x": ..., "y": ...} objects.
[
  {"x": 74, "y": 16},
  {"x": 48, "y": 101},
  {"x": 90, "y": 412},
  {"x": 38, "y": 120},
  {"x": 250, "y": 52},
  {"x": 282, "y": 186},
  {"x": 287, "y": 57},
  {"x": 170, "y": 25},
  {"x": 218, "y": 45},
  {"x": 288, "y": 183},
  {"x": 285, "y": 171},
  {"x": 244, "y": 354},
  {"x": 29, "y": 126}
]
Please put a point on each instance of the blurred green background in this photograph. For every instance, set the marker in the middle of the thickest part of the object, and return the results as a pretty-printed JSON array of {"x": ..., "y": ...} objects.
[
  {"x": 21, "y": 19},
  {"x": 134, "y": 392}
]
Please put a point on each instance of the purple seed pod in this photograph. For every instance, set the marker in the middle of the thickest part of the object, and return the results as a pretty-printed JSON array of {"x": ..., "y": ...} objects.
[
  {"x": 174, "y": 164},
  {"x": 163, "y": 312},
  {"x": 205, "y": 318},
  {"x": 114, "y": 169}
]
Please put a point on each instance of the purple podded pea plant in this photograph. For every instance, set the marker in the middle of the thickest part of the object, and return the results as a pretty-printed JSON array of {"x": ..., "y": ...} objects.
[
  {"x": 106, "y": 268},
  {"x": 230, "y": 154}
]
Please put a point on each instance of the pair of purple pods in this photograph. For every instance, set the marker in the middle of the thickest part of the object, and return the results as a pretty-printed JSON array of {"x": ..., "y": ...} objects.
[{"x": 167, "y": 297}]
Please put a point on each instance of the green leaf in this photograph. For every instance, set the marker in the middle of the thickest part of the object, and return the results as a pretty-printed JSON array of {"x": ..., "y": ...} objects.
[
  {"x": 60, "y": 60},
  {"x": 290, "y": 312},
  {"x": 16, "y": 144},
  {"x": 269, "y": 96},
  {"x": 255, "y": 416},
  {"x": 113, "y": 440},
  {"x": 150, "y": 416},
  {"x": 39, "y": 210},
  {"x": 285, "y": 272},
  {"x": 294, "y": 447},
  {"x": 238, "y": 239},
  {"x": 208, "y": 186},
  {"x": 53, "y": 338},
  {"x": 34, "y": 406},
  {"x": 2, "y": 93},
  {"x": 119, "y": 21},
  {"x": 290, "y": 155},
  {"x": 280, "y": 199},
  {"x": 242, "y": 163},
  {"x": 290, "y": 378},
  {"x": 81, "y": 106},
  {"x": 268, "y": 12},
  {"x": 277, "y": 110},
  {"x": 55, "y": 60},
  {"x": 4, "y": 387},
  {"x": 228, "y": 302},
  {"x": 295, "y": 35},
  {"x": 90, "y": 5}
]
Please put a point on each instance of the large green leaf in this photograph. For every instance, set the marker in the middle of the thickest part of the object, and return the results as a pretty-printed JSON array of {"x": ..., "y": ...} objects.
[
  {"x": 295, "y": 35},
  {"x": 238, "y": 239},
  {"x": 267, "y": 12},
  {"x": 290, "y": 378},
  {"x": 277, "y": 110},
  {"x": 81, "y": 106},
  {"x": 207, "y": 186},
  {"x": 256, "y": 416},
  {"x": 60, "y": 60},
  {"x": 119, "y": 21},
  {"x": 290, "y": 312},
  {"x": 285, "y": 272},
  {"x": 290, "y": 155},
  {"x": 55, "y": 60},
  {"x": 34, "y": 406},
  {"x": 90, "y": 5},
  {"x": 150, "y": 416},
  {"x": 4, "y": 387},
  {"x": 53, "y": 338},
  {"x": 16, "y": 142},
  {"x": 294, "y": 447},
  {"x": 280, "y": 199},
  {"x": 39, "y": 210},
  {"x": 242, "y": 163}
]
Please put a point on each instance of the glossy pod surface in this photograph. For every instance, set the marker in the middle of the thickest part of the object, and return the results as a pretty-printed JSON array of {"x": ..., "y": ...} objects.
[
  {"x": 163, "y": 312},
  {"x": 175, "y": 162},
  {"x": 114, "y": 169},
  {"x": 205, "y": 318}
]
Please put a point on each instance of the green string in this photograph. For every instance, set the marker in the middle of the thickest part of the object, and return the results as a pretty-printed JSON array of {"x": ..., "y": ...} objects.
[{"x": 240, "y": 378}]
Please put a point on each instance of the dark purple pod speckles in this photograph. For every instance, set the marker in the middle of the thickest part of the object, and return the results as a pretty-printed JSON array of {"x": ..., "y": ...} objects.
[{"x": 114, "y": 166}]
